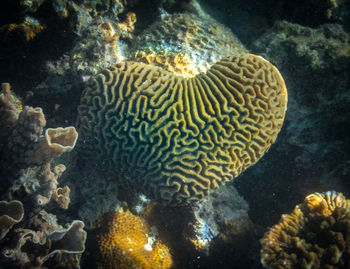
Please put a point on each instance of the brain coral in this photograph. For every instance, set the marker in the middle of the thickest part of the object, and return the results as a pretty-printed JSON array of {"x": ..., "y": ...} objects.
[
  {"x": 179, "y": 139},
  {"x": 315, "y": 235}
]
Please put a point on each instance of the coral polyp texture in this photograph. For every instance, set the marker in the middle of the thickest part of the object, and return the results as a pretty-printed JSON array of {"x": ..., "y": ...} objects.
[
  {"x": 315, "y": 235},
  {"x": 179, "y": 139},
  {"x": 186, "y": 44},
  {"x": 128, "y": 244}
]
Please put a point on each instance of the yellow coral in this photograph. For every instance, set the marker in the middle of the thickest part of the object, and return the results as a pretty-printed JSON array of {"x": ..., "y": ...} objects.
[{"x": 129, "y": 245}]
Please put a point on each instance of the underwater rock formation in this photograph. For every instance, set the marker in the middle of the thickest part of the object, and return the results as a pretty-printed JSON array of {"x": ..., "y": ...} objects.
[
  {"x": 315, "y": 235},
  {"x": 221, "y": 219},
  {"x": 318, "y": 83},
  {"x": 179, "y": 139},
  {"x": 129, "y": 244},
  {"x": 185, "y": 44}
]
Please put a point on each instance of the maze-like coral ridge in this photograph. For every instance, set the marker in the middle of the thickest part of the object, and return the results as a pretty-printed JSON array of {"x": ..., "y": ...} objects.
[{"x": 179, "y": 139}]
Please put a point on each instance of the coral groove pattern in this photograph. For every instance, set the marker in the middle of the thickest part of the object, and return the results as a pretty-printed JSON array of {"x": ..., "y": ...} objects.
[{"x": 177, "y": 138}]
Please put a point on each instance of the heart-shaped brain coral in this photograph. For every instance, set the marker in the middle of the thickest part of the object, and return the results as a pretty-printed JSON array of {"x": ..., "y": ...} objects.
[{"x": 178, "y": 138}]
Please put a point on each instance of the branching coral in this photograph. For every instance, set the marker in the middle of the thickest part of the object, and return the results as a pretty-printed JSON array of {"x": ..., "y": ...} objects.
[
  {"x": 315, "y": 235},
  {"x": 128, "y": 244},
  {"x": 179, "y": 139}
]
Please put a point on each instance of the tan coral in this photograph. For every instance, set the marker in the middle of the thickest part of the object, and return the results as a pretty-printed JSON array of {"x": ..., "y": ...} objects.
[
  {"x": 69, "y": 240},
  {"x": 22, "y": 142},
  {"x": 10, "y": 106},
  {"x": 178, "y": 138},
  {"x": 10, "y": 213},
  {"x": 61, "y": 244},
  {"x": 61, "y": 196},
  {"x": 20, "y": 139},
  {"x": 54, "y": 143},
  {"x": 48, "y": 182},
  {"x": 314, "y": 235}
]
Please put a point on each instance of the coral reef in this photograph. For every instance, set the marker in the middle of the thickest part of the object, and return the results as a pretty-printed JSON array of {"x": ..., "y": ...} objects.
[
  {"x": 25, "y": 145},
  {"x": 314, "y": 235},
  {"x": 129, "y": 244},
  {"x": 185, "y": 44},
  {"x": 178, "y": 138},
  {"x": 31, "y": 237}
]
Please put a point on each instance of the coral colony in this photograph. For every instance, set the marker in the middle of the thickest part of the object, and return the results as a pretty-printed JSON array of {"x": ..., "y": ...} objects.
[{"x": 171, "y": 114}]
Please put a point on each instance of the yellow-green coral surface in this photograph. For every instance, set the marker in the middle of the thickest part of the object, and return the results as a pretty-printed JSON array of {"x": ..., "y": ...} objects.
[{"x": 176, "y": 138}]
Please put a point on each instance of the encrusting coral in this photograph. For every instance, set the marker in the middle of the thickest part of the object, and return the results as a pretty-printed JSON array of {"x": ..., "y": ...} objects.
[
  {"x": 315, "y": 235},
  {"x": 186, "y": 44},
  {"x": 129, "y": 244},
  {"x": 176, "y": 138}
]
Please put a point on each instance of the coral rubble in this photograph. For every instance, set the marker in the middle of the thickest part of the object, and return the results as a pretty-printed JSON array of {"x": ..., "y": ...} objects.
[{"x": 314, "y": 235}]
